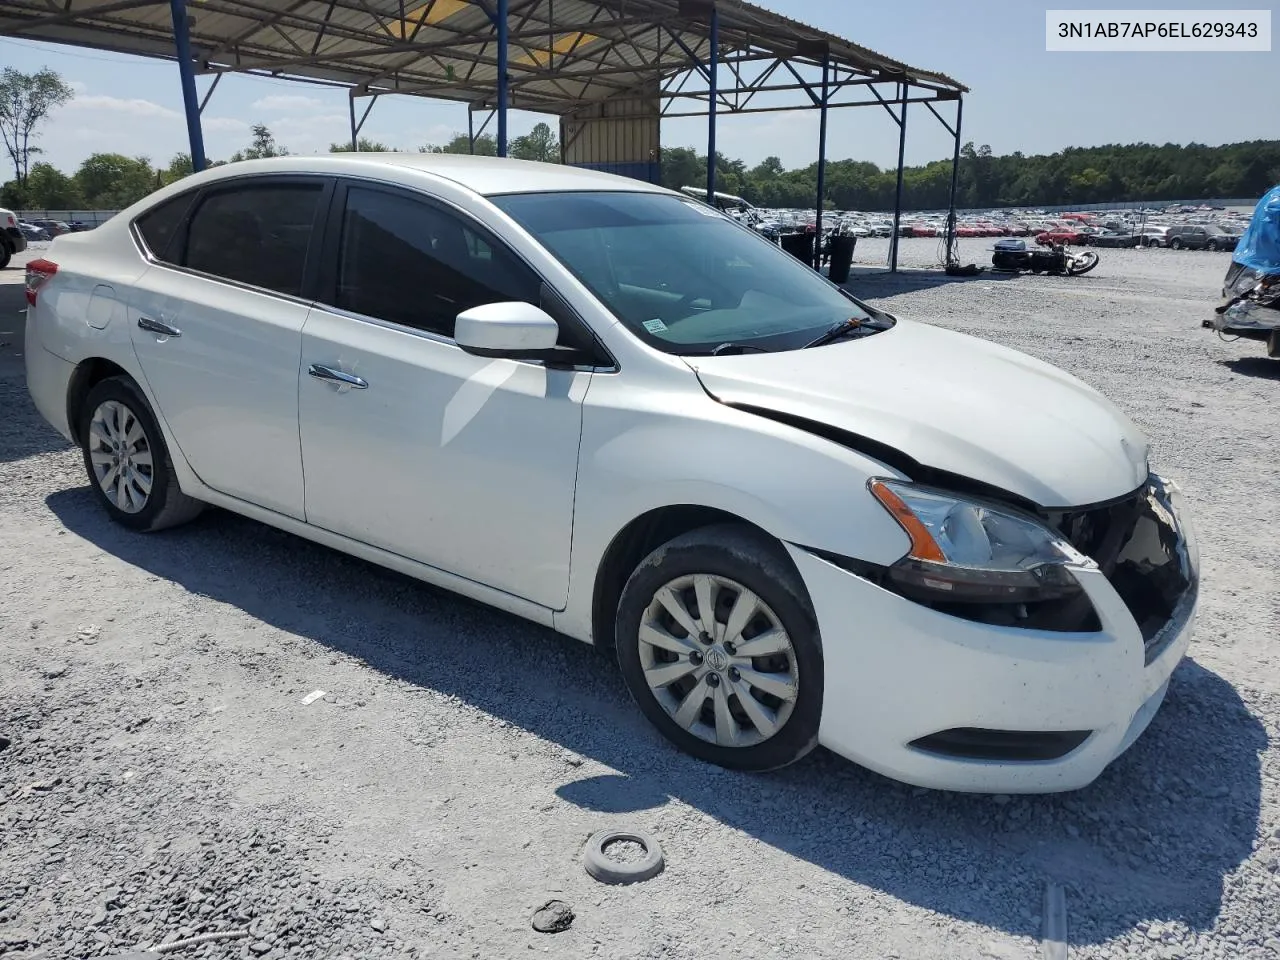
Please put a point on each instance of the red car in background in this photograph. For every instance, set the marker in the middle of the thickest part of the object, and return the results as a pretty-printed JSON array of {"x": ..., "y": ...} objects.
[{"x": 1071, "y": 236}]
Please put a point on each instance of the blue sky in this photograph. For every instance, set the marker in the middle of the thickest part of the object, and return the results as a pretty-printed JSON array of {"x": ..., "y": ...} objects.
[{"x": 1023, "y": 98}]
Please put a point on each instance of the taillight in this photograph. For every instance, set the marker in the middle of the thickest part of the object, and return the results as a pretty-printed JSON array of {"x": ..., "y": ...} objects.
[
  {"x": 12, "y": 222},
  {"x": 38, "y": 274}
]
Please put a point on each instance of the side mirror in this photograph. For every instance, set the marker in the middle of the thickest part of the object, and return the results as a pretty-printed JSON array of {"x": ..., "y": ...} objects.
[{"x": 514, "y": 330}]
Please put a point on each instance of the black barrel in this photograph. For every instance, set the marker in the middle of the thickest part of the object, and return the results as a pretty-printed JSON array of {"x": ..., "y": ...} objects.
[
  {"x": 841, "y": 258},
  {"x": 799, "y": 245}
]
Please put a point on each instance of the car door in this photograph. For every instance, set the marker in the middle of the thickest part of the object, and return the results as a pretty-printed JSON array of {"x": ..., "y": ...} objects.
[
  {"x": 411, "y": 444},
  {"x": 216, "y": 323}
]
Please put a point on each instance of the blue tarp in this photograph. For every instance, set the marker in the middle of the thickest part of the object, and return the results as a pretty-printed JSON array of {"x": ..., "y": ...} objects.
[{"x": 1259, "y": 248}]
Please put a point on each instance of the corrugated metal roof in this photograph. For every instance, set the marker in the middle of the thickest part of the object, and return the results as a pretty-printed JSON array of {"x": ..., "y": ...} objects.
[{"x": 562, "y": 53}]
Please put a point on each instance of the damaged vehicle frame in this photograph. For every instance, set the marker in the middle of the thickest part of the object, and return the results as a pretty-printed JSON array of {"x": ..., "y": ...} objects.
[
  {"x": 612, "y": 410},
  {"x": 1250, "y": 307}
]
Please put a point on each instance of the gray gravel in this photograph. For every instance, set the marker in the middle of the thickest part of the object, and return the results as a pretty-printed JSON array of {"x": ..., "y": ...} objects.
[{"x": 164, "y": 778}]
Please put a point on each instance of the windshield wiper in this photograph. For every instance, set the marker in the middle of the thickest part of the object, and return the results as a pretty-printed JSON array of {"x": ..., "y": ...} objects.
[
  {"x": 841, "y": 329},
  {"x": 736, "y": 347}
]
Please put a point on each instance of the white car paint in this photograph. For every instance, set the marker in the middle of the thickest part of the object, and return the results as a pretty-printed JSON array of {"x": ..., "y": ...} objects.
[
  {"x": 507, "y": 481},
  {"x": 922, "y": 388}
]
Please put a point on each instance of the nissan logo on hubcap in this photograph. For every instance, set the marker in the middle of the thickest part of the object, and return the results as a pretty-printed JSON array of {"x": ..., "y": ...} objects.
[{"x": 717, "y": 659}]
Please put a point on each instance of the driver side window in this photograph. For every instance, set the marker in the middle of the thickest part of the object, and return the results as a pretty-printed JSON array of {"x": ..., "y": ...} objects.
[{"x": 409, "y": 262}]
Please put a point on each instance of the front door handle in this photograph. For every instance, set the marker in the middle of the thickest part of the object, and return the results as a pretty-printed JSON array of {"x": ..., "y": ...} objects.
[
  {"x": 321, "y": 372},
  {"x": 155, "y": 326}
]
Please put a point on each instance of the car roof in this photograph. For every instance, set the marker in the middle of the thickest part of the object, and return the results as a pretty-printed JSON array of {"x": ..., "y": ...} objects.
[{"x": 488, "y": 176}]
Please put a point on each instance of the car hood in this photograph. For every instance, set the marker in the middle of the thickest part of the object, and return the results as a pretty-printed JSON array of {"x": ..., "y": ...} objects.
[{"x": 950, "y": 402}]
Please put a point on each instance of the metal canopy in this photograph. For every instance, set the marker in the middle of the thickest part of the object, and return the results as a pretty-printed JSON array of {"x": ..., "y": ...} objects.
[
  {"x": 585, "y": 60},
  {"x": 561, "y": 53}
]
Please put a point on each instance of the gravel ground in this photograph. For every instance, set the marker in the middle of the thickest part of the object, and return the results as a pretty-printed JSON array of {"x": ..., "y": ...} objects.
[{"x": 163, "y": 777}]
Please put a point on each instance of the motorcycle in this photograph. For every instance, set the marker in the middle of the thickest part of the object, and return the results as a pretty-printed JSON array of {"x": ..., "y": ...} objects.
[{"x": 1012, "y": 256}]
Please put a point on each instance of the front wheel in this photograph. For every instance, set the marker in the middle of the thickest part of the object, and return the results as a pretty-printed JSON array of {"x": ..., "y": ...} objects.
[
  {"x": 127, "y": 460},
  {"x": 719, "y": 646},
  {"x": 1081, "y": 264}
]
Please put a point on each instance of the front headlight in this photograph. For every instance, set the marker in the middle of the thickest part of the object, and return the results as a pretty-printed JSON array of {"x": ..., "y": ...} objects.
[{"x": 967, "y": 551}]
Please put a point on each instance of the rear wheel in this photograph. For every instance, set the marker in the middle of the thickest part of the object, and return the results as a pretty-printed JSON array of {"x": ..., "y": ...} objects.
[
  {"x": 719, "y": 646},
  {"x": 127, "y": 460},
  {"x": 6, "y": 254},
  {"x": 1175, "y": 244}
]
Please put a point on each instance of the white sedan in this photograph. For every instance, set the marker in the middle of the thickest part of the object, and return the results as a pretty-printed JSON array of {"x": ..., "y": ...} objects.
[{"x": 610, "y": 409}]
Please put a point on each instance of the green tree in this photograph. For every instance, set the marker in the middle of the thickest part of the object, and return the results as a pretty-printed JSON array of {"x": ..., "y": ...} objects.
[
  {"x": 263, "y": 145},
  {"x": 365, "y": 144},
  {"x": 683, "y": 167},
  {"x": 539, "y": 144},
  {"x": 48, "y": 188},
  {"x": 486, "y": 145},
  {"x": 180, "y": 166},
  {"x": 111, "y": 181},
  {"x": 25, "y": 102}
]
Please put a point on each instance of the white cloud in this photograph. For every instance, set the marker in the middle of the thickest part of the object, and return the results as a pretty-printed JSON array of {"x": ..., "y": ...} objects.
[
  {"x": 135, "y": 107},
  {"x": 223, "y": 123},
  {"x": 286, "y": 101}
]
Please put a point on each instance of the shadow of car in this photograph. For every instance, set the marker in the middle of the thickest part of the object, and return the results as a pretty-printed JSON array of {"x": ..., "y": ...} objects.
[{"x": 1155, "y": 836}]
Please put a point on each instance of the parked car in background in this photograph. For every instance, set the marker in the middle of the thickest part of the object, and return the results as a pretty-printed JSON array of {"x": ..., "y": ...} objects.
[
  {"x": 32, "y": 232},
  {"x": 1114, "y": 238},
  {"x": 1224, "y": 237},
  {"x": 1195, "y": 236},
  {"x": 940, "y": 558},
  {"x": 1153, "y": 236},
  {"x": 1065, "y": 235},
  {"x": 12, "y": 239},
  {"x": 54, "y": 228}
]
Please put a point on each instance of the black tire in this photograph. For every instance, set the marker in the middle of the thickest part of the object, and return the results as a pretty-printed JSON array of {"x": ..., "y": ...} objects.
[
  {"x": 1082, "y": 264},
  {"x": 165, "y": 505},
  {"x": 6, "y": 254},
  {"x": 1175, "y": 244},
  {"x": 758, "y": 563}
]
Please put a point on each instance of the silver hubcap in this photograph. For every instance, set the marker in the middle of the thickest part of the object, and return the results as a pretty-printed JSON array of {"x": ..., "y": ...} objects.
[
  {"x": 718, "y": 660},
  {"x": 120, "y": 454}
]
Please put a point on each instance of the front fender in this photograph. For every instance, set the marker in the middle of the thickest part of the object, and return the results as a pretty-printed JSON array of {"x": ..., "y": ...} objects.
[{"x": 644, "y": 450}]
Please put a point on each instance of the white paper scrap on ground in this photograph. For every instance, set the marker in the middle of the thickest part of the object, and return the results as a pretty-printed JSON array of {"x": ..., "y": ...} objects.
[{"x": 312, "y": 697}]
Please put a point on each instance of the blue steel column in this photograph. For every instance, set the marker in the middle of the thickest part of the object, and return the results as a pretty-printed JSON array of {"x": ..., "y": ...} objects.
[
  {"x": 503, "y": 80},
  {"x": 822, "y": 161},
  {"x": 713, "y": 65},
  {"x": 897, "y": 199},
  {"x": 182, "y": 41}
]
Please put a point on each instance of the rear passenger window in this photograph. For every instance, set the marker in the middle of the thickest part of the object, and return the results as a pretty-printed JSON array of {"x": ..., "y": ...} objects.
[
  {"x": 256, "y": 234},
  {"x": 414, "y": 264},
  {"x": 159, "y": 224}
]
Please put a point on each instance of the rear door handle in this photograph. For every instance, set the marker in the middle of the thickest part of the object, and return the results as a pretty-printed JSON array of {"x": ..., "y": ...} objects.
[
  {"x": 321, "y": 372},
  {"x": 155, "y": 326}
]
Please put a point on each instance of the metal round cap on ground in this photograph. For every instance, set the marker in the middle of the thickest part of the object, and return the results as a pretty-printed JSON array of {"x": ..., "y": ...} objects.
[{"x": 607, "y": 870}]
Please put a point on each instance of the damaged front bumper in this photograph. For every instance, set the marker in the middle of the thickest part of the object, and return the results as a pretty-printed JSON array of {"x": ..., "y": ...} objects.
[
  {"x": 943, "y": 702},
  {"x": 1247, "y": 317}
]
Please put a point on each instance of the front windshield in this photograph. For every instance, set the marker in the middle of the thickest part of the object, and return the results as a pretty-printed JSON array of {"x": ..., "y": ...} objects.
[{"x": 680, "y": 275}]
